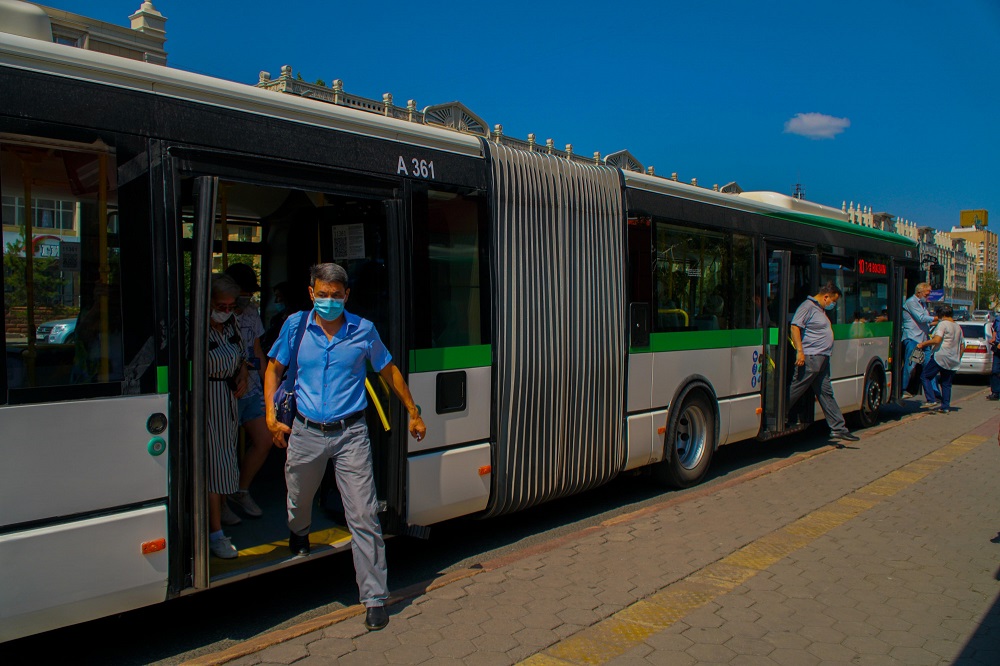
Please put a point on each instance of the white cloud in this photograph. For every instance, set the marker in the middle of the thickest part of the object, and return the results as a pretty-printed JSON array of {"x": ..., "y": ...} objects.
[{"x": 816, "y": 125}]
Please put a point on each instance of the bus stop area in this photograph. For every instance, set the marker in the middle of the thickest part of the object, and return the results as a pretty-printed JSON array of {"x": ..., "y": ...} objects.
[{"x": 884, "y": 551}]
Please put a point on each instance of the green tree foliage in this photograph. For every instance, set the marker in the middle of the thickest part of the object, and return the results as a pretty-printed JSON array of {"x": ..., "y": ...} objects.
[
  {"x": 988, "y": 294},
  {"x": 47, "y": 282}
]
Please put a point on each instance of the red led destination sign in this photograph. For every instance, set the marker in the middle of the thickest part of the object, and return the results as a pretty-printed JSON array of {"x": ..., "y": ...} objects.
[{"x": 871, "y": 267}]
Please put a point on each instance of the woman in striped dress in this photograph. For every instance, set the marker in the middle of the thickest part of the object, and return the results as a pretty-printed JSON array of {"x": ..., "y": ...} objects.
[{"x": 227, "y": 375}]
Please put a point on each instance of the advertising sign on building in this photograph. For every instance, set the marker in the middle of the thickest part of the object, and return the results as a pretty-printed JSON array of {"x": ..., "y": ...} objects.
[{"x": 974, "y": 218}]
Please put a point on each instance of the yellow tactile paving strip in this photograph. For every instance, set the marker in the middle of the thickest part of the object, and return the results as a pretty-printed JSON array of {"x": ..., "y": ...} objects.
[{"x": 631, "y": 626}]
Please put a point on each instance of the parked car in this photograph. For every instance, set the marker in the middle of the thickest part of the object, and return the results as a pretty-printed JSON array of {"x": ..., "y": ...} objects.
[
  {"x": 57, "y": 332},
  {"x": 981, "y": 315},
  {"x": 977, "y": 358}
]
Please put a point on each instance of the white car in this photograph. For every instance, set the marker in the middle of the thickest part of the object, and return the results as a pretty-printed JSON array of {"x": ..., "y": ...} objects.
[{"x": 977, "y": 358}]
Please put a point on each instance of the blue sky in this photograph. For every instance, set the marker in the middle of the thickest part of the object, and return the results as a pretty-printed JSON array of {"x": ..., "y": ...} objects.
[{"x": 890, "y": 103}]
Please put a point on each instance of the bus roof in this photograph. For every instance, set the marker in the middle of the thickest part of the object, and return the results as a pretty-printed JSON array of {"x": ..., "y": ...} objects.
[
  {"x": 82, "y": 65},
  {"x": 770, "y": 204}
]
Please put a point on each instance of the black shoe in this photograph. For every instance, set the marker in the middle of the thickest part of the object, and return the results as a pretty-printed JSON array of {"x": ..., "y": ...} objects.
[
  {"x": 299, "y": 545},
  {"x": 376, "y": 618},
  {"x": 846, "y": 436},
  {"x": 993, "y": 396}
]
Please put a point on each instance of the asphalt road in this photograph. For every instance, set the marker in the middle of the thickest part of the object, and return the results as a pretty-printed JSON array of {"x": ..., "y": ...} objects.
[{"x": 181, "y": 629}]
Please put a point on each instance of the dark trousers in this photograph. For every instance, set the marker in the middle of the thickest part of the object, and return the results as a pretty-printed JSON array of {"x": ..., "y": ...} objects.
[
  {"x": 932, "y": 370},
  {"x": 995, "y": 375},
  {"x": 815, "y": 374}
]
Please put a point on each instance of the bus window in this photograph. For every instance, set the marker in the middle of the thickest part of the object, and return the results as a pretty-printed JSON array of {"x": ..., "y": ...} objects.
[
  {"x": 873, "y": 287},
  {"x": 841, "y": 274},
  {"x": 692, "y": 280},
  {"x": 61, "y": 269},
  {"x": 449, "y": 277},
  {"x": 747, "y": 312}
]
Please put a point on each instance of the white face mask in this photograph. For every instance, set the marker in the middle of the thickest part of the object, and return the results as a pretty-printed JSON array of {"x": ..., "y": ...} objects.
[{"x": 221, "y": 317}]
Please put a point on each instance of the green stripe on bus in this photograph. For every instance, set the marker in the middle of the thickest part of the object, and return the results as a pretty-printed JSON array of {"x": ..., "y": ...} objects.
[
  {"x": 681, "y": 340},
  {"x": 879, "y": 329},
  {"x": 161, "y": 379},
  {"x": 450, "y": 358}
]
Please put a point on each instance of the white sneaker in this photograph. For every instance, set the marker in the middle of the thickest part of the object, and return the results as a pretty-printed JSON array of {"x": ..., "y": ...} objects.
[
  {"x": 931, "y": 405},
  {"x": 246, "y": 504},
  {"x": 906, "y": 395},
  {"x": 228, "y": 517},
  {"x": 223, "y": 547}
]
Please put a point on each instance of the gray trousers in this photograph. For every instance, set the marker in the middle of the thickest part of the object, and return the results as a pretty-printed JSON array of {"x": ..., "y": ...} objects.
[
  {"x": 815, "y": 374},
  {"x": 350, "y": 450}
]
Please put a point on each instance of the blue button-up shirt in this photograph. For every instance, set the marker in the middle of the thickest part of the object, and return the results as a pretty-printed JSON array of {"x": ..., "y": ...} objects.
[
  {"x": 330, "y": 383},
  {"x": 817, "y": 332},
  {"x": 916, "y": 319}
]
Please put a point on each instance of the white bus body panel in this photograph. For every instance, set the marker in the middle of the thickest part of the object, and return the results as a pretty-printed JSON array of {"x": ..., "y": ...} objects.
[
  {"x": 640, "y": 382},
  {"x": 68, "y": 458},
  {"x": 447, "y": 484},
  {"x": 56, "y": 576},
  {"x": 470, "y": 425},
  {"x": 672, "y": 368}
]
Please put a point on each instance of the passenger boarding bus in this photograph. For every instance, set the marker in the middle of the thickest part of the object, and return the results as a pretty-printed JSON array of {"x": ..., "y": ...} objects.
[{"x": 561, "y": 321}]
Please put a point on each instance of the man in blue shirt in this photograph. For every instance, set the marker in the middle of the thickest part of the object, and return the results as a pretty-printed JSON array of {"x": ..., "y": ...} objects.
[
  {"x": 330, "y": 424},
  {"x": 917, "y": 322},
  {"x": 812, "y": 336}
]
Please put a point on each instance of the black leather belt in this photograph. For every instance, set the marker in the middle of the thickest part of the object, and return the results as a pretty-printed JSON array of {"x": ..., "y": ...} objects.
[{"x": 340, "y": 424}]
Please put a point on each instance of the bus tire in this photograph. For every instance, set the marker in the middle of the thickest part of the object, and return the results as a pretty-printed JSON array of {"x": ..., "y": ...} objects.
[
  {"x": 690, "y": 441},
  {"x": 872, "y": 398}
]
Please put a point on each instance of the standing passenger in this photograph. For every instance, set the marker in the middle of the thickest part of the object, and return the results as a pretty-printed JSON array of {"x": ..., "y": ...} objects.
[
  {"x": 993, "y": 340},
  {"x": 812, "y": 336},
  {"x": 227, "y": 380},
  {"x": 946, "y": 359},
  {"x": 330, "y": 424},
  {"x": 917, "y": 322},
  {"x": 251, "y": 405}
]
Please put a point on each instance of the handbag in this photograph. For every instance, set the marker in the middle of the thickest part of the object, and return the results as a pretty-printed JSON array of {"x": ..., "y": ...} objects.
[
  {"x": 284, "y": 395},
  {"x": 917, "y": 357}
]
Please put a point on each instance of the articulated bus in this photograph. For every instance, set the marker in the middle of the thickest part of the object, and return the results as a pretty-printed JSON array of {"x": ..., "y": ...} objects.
[{"x": 561, "y": 321}]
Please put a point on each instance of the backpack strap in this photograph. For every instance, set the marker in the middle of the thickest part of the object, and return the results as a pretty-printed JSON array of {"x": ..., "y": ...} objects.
[{"x": 293, "y": 364}]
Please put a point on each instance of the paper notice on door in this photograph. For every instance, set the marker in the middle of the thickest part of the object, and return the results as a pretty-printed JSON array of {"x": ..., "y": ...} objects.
[{"x": 348, "y": 242}]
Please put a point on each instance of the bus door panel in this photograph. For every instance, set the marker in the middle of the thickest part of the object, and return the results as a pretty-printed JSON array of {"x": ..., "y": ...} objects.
[
  {"x": 776, "y": 286},
  {"x": 897, "y": 295},
  {"x": 449, "y": 365}
]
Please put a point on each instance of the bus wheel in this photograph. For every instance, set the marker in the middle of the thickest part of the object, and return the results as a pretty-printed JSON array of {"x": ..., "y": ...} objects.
[
  {"x": 871, "y": 401},
  {"x": 690, "y": 442}
]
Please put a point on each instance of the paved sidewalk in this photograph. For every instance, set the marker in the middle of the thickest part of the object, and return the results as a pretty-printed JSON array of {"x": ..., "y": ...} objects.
[{"x": 876, "y": 553}]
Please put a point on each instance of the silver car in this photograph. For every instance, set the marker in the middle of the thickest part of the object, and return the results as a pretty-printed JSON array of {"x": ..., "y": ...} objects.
[
  {"x": 58, "y": 332},
  {"x": 977, "y": 357}
]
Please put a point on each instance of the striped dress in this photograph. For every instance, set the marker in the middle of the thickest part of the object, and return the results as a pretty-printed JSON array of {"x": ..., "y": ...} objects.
[{"x": 225, "y": 354}]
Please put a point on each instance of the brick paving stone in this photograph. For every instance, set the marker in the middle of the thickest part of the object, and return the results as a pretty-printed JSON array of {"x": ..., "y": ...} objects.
[
  {"x": 908, "y": 580},
  {"x": 284, "y": 653}
]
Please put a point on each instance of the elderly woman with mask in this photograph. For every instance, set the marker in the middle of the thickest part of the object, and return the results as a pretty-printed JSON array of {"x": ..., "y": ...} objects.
[{"x": 227, "y": 380}]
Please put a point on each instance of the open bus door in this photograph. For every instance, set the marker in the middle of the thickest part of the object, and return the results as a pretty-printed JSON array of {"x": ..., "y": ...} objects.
[
  {"x": 294, "y": 220},
  {"x": 897, "y": 294},
  {"x": 791, "y": 277}
]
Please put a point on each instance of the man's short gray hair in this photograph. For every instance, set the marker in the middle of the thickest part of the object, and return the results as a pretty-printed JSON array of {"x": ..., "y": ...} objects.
[
  {"x": 329, "y": 272},
  {"x": 223, "y": 285},
  {"x": 921, "y": 286}
]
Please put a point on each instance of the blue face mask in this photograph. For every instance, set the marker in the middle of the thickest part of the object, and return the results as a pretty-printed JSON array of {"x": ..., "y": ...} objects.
[
  {"x": 830, "y": 306},
  {"x": 329, "y": 308}
]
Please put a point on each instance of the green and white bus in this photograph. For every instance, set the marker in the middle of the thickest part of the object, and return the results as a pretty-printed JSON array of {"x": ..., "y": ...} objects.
[{"x": 561, "y": 321}]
